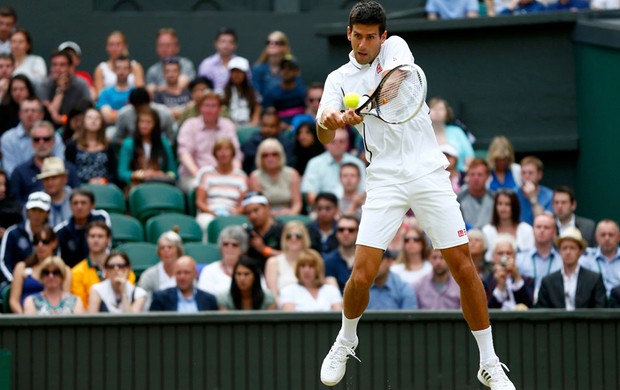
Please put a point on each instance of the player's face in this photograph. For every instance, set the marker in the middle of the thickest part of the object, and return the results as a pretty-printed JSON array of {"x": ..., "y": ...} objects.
[{"x": 366, "y": 41}]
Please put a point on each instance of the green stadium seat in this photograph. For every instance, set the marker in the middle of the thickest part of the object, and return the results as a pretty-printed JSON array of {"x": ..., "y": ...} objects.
[
  {"x": 149, "y": 199},
  {"x": 191, "y": 202},
  {"x": 108, "y": 197},
  {"x": 189, "y": 230},
  {"x": 126, "y": 228},
  {"x": 245, "y": 133},
  {"x": 5, "y": 293},
  {"x": 202, "y": 253},
  {"x": 219, "y": 223},
  {"x": 142, "y": 255},
  {"x": 283, "y": 219}
]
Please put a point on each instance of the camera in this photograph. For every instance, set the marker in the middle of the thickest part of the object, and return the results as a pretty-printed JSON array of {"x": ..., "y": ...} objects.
[
  {"x": 248, "y": 229},
  {"x": 503, "y": 261}
]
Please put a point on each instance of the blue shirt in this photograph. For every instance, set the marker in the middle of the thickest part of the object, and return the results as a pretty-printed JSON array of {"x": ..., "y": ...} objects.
[
  {"x": 24, "y": 180},
  {"x": 569, "y": 6},
  {"x": 287, "y": 102},
  {"x": 393, "y": 295},
  {"x": 186, "y": 305},
  {"x": 336, "y": 267},
  {"x": 594, "y": 260},
  {"x": 323, "y": 174},
  {"x": 17, "y": 148},
  {"x": 531, "y": 263},
  {"x": 451, "y": 9},
  {"x": 545, "y": 200},
  {"x": 114, "y": 98},
  {"x": 534, "y": 6}
]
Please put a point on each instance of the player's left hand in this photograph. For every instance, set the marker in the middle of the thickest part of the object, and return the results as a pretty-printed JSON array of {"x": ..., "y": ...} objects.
[{"x": 351, "y": 118}]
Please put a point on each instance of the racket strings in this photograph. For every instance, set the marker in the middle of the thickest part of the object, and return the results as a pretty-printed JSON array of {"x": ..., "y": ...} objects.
[{"x": 400, "y": 96}]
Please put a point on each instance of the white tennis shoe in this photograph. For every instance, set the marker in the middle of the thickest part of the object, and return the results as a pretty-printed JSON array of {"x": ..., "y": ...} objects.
[
  {"x": 335, "y": 363},
  {"x": 493, "y": 375}
]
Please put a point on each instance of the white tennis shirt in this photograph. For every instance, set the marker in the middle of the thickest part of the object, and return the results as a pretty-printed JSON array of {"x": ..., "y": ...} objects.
[{"x": 397, "y": 153}]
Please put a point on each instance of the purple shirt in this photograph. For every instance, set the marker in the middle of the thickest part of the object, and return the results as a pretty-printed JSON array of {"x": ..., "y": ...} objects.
[
  {"x": 214, "y": 69},
  {"x": 430, "y": 298}
]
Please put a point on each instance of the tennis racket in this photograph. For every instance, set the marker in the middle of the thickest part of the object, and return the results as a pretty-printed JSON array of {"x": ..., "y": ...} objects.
[{"x": 399, "y": 96}]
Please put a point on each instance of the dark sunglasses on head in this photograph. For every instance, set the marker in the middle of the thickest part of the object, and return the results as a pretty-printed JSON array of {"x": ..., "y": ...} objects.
[
  {"x": 48, "y": 272},
  {"x": 415, "y": 239},
  {"x": 296, "y": 235},
  {"x": 347, "y": 229},
  {"x": 115, "y": 265},
  {"x": 45, "y": 241},
  {"x": 39, "y": 139}
]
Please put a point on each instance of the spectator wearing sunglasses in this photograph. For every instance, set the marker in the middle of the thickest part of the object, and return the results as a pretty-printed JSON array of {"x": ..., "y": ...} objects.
[
  {"x": 313, "y": 98},
  {"x": 266, "y": 71},
  {"x": 412, "y": 261},
  {"x": 339, "y": 262},
  {"x": 53, "y": 299}
]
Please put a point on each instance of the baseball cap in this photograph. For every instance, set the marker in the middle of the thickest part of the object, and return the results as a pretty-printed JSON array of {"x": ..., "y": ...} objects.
[
  {"x": 239, "y": 63},
  {"x": 71, "y": 45},
  {"x": 52, "y": 166},
  {"x": 39, "y": 200},
  {"x": 291, "y": 60}
]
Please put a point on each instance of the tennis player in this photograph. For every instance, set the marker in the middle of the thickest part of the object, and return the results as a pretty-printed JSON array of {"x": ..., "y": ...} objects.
[{"x": 406, "y": 170}]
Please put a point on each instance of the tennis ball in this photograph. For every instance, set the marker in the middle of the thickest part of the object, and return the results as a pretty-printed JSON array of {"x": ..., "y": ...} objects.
[{"x": 351, "y": 100}]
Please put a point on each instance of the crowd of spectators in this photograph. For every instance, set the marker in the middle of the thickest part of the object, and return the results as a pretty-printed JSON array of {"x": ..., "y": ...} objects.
[{"x": 183, "y": 125}]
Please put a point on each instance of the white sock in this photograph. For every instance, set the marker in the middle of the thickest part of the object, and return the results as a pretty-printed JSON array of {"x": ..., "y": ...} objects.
[
  {"x": 484, "y": 338},
  {"x": 349, "y": 328}
]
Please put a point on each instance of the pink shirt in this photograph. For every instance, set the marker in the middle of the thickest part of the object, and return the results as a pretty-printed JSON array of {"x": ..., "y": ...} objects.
[{"x": 197, "y": 140}]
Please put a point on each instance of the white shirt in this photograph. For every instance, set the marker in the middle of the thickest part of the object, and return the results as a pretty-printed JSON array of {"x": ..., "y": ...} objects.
[
  {"x": 605, "y": 4},
  {"x": 214, "y": 280},
  {"x": 412, "y": 277},
  {"x": 397, "y": 153},
  {"x": 304, "y": 301},
  {"x": 507, "y": 297},
  {"x": 570, "y": 287},
  {"x": 107, "y": 295},
  {"x": 165, "y": 281},
  {"x": 525, "y": 238}
]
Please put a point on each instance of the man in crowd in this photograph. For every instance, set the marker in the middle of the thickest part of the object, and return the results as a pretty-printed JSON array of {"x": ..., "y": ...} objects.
[
  {"x": 54, "y": 177},
  {"x": 265, "y": 233},
  {"x": 173, "y": 95},
  {"x": 8, "y": 21},
  {"x": 339, "y": 262},
  {"x": 605, "y": 258},
  {"x": 313, "y": 98},
  {"x": 215, "y": 67},
  {"x": 288, "y": 97},
  {"x": 352, "y": 199},
  {"x": 438, "y": 290},
  {"x": 74, "y": 50},
  {"x": 112, "y": 99},
  {"x": 564, "y": 206},
  {"x": 534, "y": 198},
  {"x": 389, "y": 292},
  {"x": 167, "y": 46},
  {"x": 475, "y": 199},
  {"x": 322, "y": 231}
]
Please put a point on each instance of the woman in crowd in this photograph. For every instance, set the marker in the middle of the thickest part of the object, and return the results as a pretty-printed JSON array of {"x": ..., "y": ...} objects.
[
  {"x": 246, "y": 292},
  {"x": 442, "y": 115},
  {"x": 104, "y": 75},
  {"x": 306, "y": 146},
  {"x": 26, "y": 63},
  {"x": 10, "y": 210},
  {"x": 280, "y": 269},
  {"x": 147, "y": 156},
  {"x": 239, "y": 96},
  {"x": 75, "y": 120},
  {"x": 505, "y": 219},
  {"x": 161, "y": 275},
  {"x": 215, "y": 278},
  {"x": 477, "y": 248},
  {"x": 91, "y": 153},
  {"x": 311, "y": 293},
  {"x": 505, "y": 173},
  {"x": 266, "y": 71},
  {"x": 20, "y": 88},
  {"x": 116, "y": 294},
  {"x": 54, "y": 299},
  {"x": 278, "y": 182},
  {"x": 26, "y": 280},
  {"x": 411, "y": 263}
]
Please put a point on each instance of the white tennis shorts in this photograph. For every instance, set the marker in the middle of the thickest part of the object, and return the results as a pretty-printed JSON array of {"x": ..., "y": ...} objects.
[{"x": 432, "y": 200}]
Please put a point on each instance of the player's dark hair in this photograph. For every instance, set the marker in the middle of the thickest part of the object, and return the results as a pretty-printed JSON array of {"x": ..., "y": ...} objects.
[
  {"x": 328, "y": 196},
  {"x": 258, "y": 296},
  {"x": 565, "y": 190},
  {"x": 368, "y": 13}
]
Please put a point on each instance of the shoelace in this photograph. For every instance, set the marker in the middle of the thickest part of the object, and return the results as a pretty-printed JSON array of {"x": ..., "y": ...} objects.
[
  {"x": 497, "y": 372},
  {"x": 340, "y": 355}
]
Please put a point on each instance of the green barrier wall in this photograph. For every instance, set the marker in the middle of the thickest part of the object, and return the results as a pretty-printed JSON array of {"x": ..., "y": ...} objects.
[{"x": 5, "y": 369}]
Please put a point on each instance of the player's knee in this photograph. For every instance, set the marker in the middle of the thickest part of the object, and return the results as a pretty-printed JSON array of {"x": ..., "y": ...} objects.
[{"x": 362, "y": 280}]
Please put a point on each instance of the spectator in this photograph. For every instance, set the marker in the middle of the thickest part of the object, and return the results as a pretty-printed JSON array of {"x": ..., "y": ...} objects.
[
  {"x": 197, "y": 88},
  {"x": 311, "y": 293},
  {"x": 389, "y": 291},
  {"x": 266, "y": 233},
  {"x": 62, "y": 89},
  {"x": 198, "y": 136},
  {"x": 174, "y": 94},
  {"x": 94, "y": 158},
  {"x": 167, "y": 46},
  {"x": 239, "y": 96},
  {"x": 184, "y": 298},
  {"x": 72, "y": 233},
  {"x": 161, "y": 275},
  {"x": 43, "y": 142},
  {"x": 313, "y": 99},
  {"x": 568, "y": 5},
  {"x": 614, "y": 298},
  {"x": 572, "y": 287},
  {"x": 266, "y": 71},
  {"x": 339, "y": 262},
  {"x": 438, "y": 290},
  {"x": 535, "y": 198},
  {"x": 26, "y": 273},
  {"x": 280, "y": 184},
  {"x": 323, "y": 230},
  {"x": 246, "y": 292},
  {"x": 605, "y": 4},
  {"x": 505, "y": 219},
  {"x": 91, "y": 270},
  {"x": 543, "y": 259},
  {"x": 221, "y": 187},
  {"x": 564, "y": 206},
  {"x": 411, "y": 263},
  {"x": 18, "y": 89},
  {"x": 501, "y": 159},
  {"x": 139, "y": 100},
  {"x": 280, "y": 269},
  {"x": 7, "y": 65},
  {"x": 10, "y": 210},
  {"x": 289, "y": 96},
  {"x": 147, "y": 156},
  {"x": 522, "y": 7},
  {"x": 306, "y": 146},
  {"x": 605, "y": 258},
  {"x": 112, "y": 99},
  {"x": 445, "y": 9},
  {"x": 457, "y": 178},
  {"x": 442, "y": 115},
  {"x": 26, "y": 63},
  {"x": 495, "y": 7},
  {"x": 104, "y": 76},
  {"x": 74, "y": 50},
  {"x": 269, "y": 128},
  {"x": 17, "y": 142},
  {"x": 75, "y": 120},
  {"x": 216, "y": 277},
  {"x": 53, "y": 299},
  {"x": 478, "y": 246},
  {"x": 17, "y": 241},
  {"x": 116, "y": 294},
  {"x": 506, "y": 288},
  {"x": 216, "y": 66},
  {"x": 323, "y": 171},
  {"x": 352, "y": 199},
  {"x": 8, "y": 21},
  {"x": 475, "y": 199},
  {"x": 54, "y": 177}
]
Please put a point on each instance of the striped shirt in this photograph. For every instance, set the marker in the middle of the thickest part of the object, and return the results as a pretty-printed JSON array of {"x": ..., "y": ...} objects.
[{"x": 224, "y": 190}]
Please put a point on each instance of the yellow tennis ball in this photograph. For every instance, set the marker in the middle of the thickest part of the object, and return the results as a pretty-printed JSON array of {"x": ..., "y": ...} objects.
[{"x": 351, "y": 99}]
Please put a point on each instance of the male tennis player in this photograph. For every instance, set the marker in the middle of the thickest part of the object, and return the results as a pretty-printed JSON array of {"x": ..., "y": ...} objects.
[{"x": 406, "y": 170}]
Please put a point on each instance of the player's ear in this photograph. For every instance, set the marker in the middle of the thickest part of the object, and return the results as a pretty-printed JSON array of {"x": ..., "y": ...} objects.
[
  {"x": 384, "y": 36},
  {"x": 349, "y": 33}
]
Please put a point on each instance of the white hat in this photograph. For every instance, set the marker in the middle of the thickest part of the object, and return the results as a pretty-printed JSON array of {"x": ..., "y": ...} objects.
[
  {"x": 52, "y": 166},
  {"x": 571, "y": 233},
  {"x": 239, "y": 63},
  {"x": 39, "y": 200},
  {"x": 449, "y": 150},
  {"x": 71, "y": 45}
]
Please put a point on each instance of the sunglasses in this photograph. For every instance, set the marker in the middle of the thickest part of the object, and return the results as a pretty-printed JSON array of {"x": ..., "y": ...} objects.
[
  {"x": 270, "y": 154},
  {"x": 296, "y": 235},
  {"x": 277, "y": 43},
  {"x": 233, "y": 244},
  {"x": 48, "y": 272},
  {"x": 39, "y": 139},
  {"x": 415, "y": 239},
  {"x": 347, "y": 229},
  {"x": 115, "y": 265},
  {"x": 36, "y": 241}
]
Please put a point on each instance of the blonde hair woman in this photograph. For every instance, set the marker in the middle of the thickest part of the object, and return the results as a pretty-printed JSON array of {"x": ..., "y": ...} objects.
[
  {"x": 505, "y": 173},
  {"x": 411, "y": 263},
  {"x": 266, "y": 72},
  {"x": 104, "y": 76}
]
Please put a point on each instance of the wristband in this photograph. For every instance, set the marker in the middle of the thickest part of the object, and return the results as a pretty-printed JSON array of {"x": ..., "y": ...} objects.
[{"x": 267, "y": 251}]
